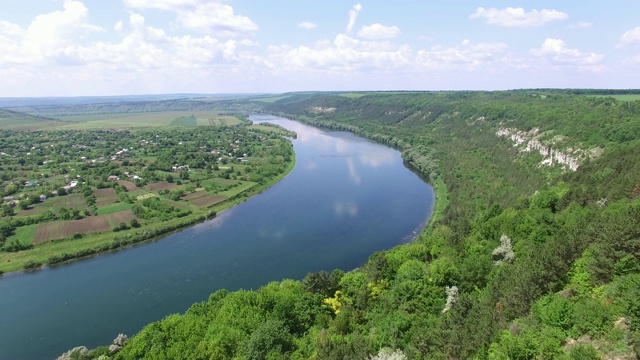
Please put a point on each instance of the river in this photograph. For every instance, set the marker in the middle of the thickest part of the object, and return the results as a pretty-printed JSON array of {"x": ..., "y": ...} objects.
[{"x": 345, "y": 199}]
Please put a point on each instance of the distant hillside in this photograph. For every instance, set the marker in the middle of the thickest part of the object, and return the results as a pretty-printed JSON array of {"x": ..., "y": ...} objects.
[{"x": 14, "y": 120}]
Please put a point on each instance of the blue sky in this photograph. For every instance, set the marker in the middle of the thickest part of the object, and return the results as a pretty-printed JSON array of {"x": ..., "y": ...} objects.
[{"x": 118, "y": 47}]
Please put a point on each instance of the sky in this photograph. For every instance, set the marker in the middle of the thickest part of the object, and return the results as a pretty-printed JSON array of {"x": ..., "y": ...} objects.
[{"x": 128, "y": 47}]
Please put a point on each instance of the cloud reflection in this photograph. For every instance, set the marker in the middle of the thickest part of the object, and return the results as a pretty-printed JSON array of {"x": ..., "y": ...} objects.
[
  {"x": 377, "y": 159},
  {"x": 353, "y": 172},
  {"x": 214, "y": 223},
  {"x": 310, "y": 165},
  {"x": 346, "y": 208}
]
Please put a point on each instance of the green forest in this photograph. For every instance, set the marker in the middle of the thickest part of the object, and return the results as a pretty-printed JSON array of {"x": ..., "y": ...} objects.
[{"x": 533, "y": 251}]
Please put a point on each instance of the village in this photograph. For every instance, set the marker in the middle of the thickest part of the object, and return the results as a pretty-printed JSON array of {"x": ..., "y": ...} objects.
[{"x": 71, "y": 185}]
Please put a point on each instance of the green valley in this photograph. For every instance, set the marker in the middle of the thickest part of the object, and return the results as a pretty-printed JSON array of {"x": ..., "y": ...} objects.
[{"x": 533, "y": 254}]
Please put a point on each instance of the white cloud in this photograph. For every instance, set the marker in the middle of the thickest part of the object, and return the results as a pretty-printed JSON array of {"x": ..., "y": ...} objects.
[
  {"x": 467, "y": 56},
  {"x": 630, "y": 38},
  {"x": 518, "y": 17},
  {"x": 378, "y": 31},
  {"x": 353, "y": 16},
  {"x": 118, "y": 26},
  {"x": 136, "y": 20},
  {"x": 342, "y": 55},
  {"x": 205, "y": 16},
  {"x": 216, "y": 17},
  {"x": 49, "y": 37},
  {"x": 307, "y": 25},
  {"x": 557, "y": 52},
  {"x": 9, "y": 29}
]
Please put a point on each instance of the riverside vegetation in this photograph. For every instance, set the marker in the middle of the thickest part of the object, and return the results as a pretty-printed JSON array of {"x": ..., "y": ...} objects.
[
  {"x": 527, "y": 256},
  {"x": 69, "y": 194}
]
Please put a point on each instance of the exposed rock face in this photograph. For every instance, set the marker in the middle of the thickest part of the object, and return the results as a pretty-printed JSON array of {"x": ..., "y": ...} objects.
[
  {"x": 320, "y": 110},
  {"x": 75, "y": 353},
  {"x": 118, "y": 343},
  {"x": 528, "y": 141}
]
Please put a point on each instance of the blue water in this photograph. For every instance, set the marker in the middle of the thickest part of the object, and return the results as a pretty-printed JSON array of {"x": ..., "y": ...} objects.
[{"x": 345, "y": 199}]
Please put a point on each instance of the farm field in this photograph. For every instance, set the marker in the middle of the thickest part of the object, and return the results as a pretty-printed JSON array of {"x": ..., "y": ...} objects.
[
  {"x": 129, "y": 186},
  {"x": 64, "y": 229},
  {"x": 161, "y": 185},
  {"x": 207, "y": 200},
  {"x": 105, "y": 196},
  {"x": 125, "y": 120}
]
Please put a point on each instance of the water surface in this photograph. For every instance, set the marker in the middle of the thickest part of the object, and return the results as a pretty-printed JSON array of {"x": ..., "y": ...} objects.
[{"x": 345, "y": 199}]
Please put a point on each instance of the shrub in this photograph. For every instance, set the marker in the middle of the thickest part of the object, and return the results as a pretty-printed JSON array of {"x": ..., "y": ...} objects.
[{"x": 32, "y": 265}]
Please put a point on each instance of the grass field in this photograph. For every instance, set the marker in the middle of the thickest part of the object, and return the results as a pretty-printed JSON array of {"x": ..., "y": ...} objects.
[
  {"x": 113, "y": 208},
  {"x": 133, "y": 120},
  {"x": 195, "y": 195},
  {"x": 219, "y": 181},
  {"x": 244, "y": 186},
  {"x": 120, "y": 217},
  {"x": 629, "y": 97},
  {"x": 353, "y": 95},
  {"x": 105, "y": 196},
  {"x": 35, "y": 210},
  {"x": 184, "y": 121},
  {"x": 272, "y": 99},
  {"x": 12, "y": 120},
  {"x": 25, "y": 234},
  {"x": 73, "y": 201}
]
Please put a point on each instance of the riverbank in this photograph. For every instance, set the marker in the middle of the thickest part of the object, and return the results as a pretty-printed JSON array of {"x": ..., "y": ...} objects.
[
  {"x": 327, "y": 213},
  {"x": 424, "y": 169}
]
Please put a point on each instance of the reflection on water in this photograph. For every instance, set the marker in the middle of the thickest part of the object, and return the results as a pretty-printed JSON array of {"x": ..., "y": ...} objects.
[{"x": 345, "y": 199}]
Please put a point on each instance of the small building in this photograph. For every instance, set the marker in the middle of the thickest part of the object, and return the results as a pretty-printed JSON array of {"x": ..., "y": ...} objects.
[
  {"x": 43, "y": 197},
  {"x": 113, "y": 178}
]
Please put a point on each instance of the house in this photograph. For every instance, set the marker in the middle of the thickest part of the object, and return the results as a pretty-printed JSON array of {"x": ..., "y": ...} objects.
[
  {"x": 113, "y": 178},
  {"x": 42, "y": 197},
  {"x": 71, "y": 185}
]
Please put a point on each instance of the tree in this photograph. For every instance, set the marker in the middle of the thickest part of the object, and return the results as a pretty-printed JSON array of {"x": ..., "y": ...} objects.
[
  {"x": 10, "y": 189},
  {"x": 270, "y": 337}
]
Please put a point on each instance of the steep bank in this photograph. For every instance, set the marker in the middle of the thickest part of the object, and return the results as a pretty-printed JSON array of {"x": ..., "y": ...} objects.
[{"x": 528, "y": 260}]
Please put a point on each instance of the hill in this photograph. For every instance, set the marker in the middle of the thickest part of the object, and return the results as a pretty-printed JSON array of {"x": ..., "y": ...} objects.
[
  {"x": 15, "y": 120},
  {"x": 533, "y": 251}
]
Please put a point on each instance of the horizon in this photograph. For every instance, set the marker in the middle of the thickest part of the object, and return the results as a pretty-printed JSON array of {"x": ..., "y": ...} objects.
[
  {"x": 312, "y": 91},
  {"x": 71, "y": 48}
]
